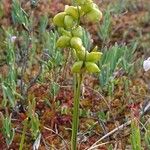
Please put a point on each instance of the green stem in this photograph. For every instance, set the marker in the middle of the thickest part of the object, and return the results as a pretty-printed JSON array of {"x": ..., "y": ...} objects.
[
  {"x": 77, "y": 87},
  {"x": 23, "y": 134}
]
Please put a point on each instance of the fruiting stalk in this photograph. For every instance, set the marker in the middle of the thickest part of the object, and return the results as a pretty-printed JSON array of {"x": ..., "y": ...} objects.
[
  {"x": 75, "y": 124},
  {"x": 70, "y": 30}
]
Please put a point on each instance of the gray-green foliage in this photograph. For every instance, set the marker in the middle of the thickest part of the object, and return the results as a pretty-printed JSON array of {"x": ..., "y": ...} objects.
[
  {"x": 53, "y": 56},
  {"x": 86, "y": 39},
  {"x": 19, "y": 16},
  {"x": 43, "y": 24},
  {"x": 119, "y": 6},
  {"x": 54, "y": 89},
  {"x": 34, "y": 119},
  {"x": 104, "y": 29},
  {"x": 7, "y": 130},
  {"x": 113, "y": 59},
  {"x": 9, "y": 83}
]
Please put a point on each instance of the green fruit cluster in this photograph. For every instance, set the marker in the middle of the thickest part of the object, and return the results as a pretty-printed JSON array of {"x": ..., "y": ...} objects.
[
  {"x": 91, "y": 10},
  {"x": 86, "y": 61},
  {"x": 71, "y": 33}
]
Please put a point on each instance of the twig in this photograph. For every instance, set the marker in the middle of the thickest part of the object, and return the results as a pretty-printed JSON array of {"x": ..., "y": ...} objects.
[
  {"x": 98, "y": 145},
  {"x": 143, "y": 112},
  {"x": 112, "y": 132},
  {"x": 148, "y": 121}
]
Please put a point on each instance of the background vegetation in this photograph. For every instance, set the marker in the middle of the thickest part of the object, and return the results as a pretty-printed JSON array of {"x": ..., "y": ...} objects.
[{"x": 36, "y": 92}]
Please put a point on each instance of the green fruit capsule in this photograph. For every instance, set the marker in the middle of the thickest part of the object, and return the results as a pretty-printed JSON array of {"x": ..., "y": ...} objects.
[
  {"x": 69, "y": 22},
  {"x": 62, "y": 31},
  {"x": 80, "y": 2},
  {"x": 76, "y": 43},
  {"x": 94, "y": 15},
  {"x": 87, "y": 7},
  {"x": 63, "y": 41},
  {"x": 93, "y": 56},
  {"x": 76, "y": 68},
  {"x": 59, "y": 19},
  {"x": 77, "y": 32},
  {"x": 92, "y": 67},
  {"x": 75, "y": 12},
  {"x": 82, "y": 54}
]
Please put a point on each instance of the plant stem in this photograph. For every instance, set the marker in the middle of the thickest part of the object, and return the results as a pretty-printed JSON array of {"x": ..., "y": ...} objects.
[
  {"x": 77, "y": 87},
  {"x": 23, "y": 134}
]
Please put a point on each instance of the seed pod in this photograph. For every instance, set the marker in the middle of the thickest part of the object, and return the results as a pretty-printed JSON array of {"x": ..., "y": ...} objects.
[
  {"x": 77, "y": 31},
  {"x": 82, "y": 54},
  {"x": 62, "y": 31},
  {"x": 94, "y": 15},
  {"x": 76, "y": 43},
  {"x": 59, "y": 19},
  {"x": 82, "y": 2},
  {"x": 75, "y": 12},
  {"x": 69, "y": 22},
  {"x": 87, "y": 7},
  {"x": 92, "y": 67},
  {"x": 93, "y": 56},
  {"x": 63, "y": 41},
  {"x": 76, "y": 68}
]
